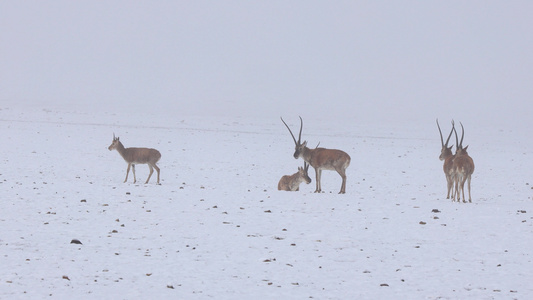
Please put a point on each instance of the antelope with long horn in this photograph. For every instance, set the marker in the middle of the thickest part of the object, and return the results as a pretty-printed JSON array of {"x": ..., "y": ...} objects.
[
  {"x": 321, "y": 159},
  {"x": 463, "y": 167},
  {"x": 135, "y": 156},
  {"x": 292, "y": 182},
  {"x": 447, "y": 156}
]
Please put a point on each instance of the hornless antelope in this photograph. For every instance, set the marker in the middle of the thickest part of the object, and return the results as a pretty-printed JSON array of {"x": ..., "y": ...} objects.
[
  {"x": 292, "y": 182},
  {"x": 463, "y": 166},
  {"x": 135, "y": 156},
  {"x": 447, "y": 156},
  {"x": 321, "y": 159}
]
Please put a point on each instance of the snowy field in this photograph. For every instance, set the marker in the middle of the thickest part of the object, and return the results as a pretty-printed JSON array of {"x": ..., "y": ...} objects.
[{"x": 217, "y": 227}]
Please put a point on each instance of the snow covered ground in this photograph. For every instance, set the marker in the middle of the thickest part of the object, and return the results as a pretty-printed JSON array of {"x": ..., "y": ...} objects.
[{"x": 218, "y": 228}]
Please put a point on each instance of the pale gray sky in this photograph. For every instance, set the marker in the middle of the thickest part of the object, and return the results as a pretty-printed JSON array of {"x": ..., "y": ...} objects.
[{"x": 360, "y": 60}]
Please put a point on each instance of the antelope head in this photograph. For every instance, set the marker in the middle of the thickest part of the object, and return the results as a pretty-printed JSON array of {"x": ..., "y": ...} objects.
[
  {"x": 114, "y": 143},
  {"x": 459, "y": 148},
  {"x": 303, "y": 172},
  {"x": 299, "y": 146},
  {"x": 445, "y": 151}
]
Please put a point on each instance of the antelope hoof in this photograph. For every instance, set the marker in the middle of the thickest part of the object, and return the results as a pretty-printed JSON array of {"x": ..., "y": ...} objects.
[{"x": 341, "y": 192}]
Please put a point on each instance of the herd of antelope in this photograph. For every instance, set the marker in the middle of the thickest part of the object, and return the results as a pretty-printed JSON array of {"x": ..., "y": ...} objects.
[
  {"x": 320, "y": 159},
  {"x": 458, "y": 167}
]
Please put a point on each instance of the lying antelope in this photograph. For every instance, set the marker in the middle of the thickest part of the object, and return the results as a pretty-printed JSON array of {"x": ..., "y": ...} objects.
[
  {"x": 321, "y": 159},
  {"x": 292, "y": 182},
  {"x": 447, "y": 156},
  {"x": 135, "y": 156},
  {"x": 463, "y": 167}
]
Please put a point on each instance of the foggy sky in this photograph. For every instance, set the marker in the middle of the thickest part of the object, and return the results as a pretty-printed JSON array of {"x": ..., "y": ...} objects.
[{"x": 358, "y": 60}]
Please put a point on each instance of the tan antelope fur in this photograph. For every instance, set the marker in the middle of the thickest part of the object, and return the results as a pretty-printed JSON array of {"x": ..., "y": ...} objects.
[
  {"x": 292, "y": 182},
  {"x": 134, "y": 156},
  {"x": 463, "y": 167},
  {"x": 321, "y": 159},
  {"x": 447, "y": 156}
]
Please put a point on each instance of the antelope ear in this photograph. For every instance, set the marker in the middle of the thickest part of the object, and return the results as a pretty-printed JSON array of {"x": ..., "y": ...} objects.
[
  {"x": 466, "y": 147},
  {"x": 304, "y": 143}
]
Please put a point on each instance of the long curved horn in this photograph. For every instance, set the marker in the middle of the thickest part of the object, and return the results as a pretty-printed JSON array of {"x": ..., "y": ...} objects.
[
  {"x": 300, "y": 134},
  {"x": 462, "y": 135},
  {"x": 289, "y": 131},
  {"x": 453, "y": 126},
  {"x": 440, "y": 132},
  {"x": 456, "y": 140}
]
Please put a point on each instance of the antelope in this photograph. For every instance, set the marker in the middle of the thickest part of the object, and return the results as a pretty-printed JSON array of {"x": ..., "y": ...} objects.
[
  {"x": 463, "y": 167},
  {"x": 321, "y": 159},
  {"x": 292, "y": 182},
  {"x": 447, "y": 156},
  {"x": 135, "y": 156}
]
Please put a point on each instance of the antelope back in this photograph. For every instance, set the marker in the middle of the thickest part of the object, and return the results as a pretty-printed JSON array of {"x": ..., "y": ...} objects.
[
  {"x": 141, "y": 155},
  {"x": 328, "y": 159}
]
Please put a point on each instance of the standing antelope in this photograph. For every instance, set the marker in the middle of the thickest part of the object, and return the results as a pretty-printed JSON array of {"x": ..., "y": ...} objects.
[
  {"x": 447, "y": 156},
  {"x": 292, "y": 182},
  {"x": 463, "y": 166},
  {"x": 321, "y": 159},
  {"x": 135, "y": 156}
]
